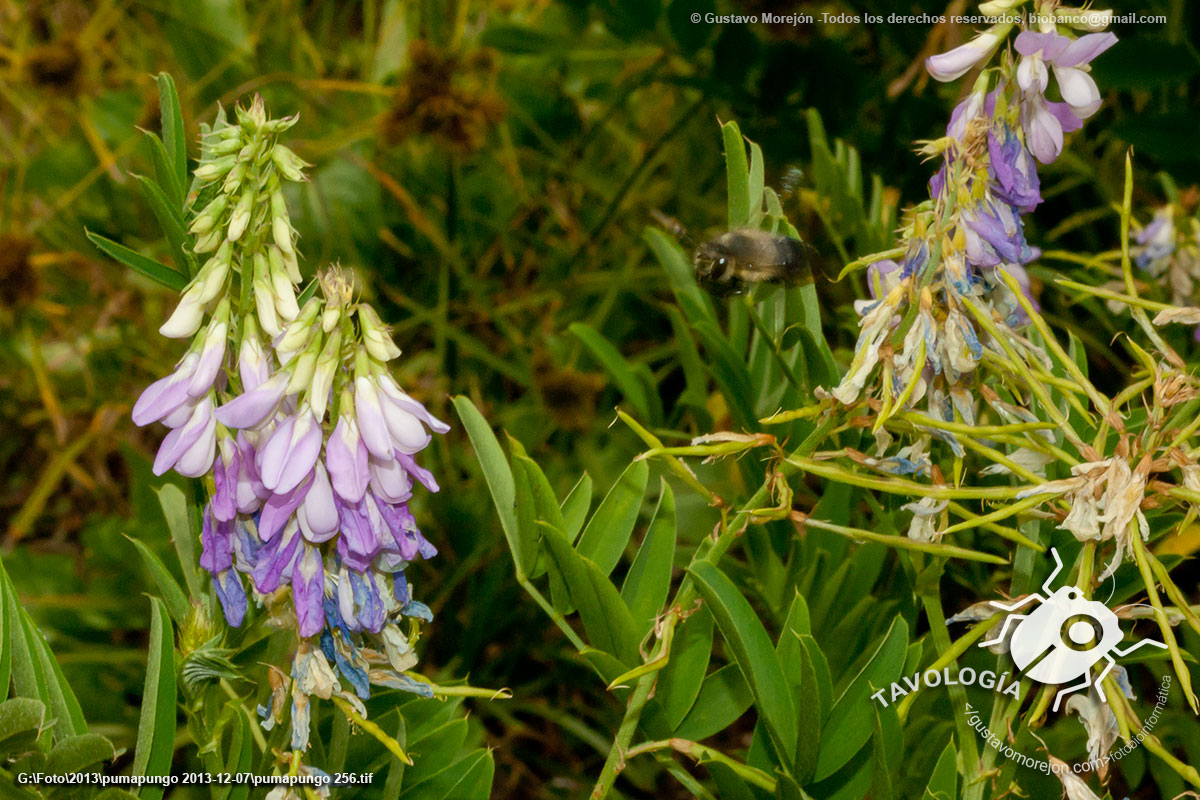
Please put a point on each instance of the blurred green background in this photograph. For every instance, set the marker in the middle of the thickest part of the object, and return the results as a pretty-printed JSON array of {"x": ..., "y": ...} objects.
[{"x": 487, "y": 169}]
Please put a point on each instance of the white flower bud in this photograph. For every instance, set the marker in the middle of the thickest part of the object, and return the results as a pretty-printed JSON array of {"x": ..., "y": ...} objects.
[
  {"x": 375, "y": 336},
  {"x": 288, "y": 163},
  {"x": 215, "y": 168},
  {"x": 1092, "y": 20},
  {"x": 241, "y": 215},
  {"x": 305, "y": 366},
  {"x": 186, "y": 318}
]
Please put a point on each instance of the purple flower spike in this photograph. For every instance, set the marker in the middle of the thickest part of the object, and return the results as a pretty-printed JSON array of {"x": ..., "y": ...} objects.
[
  {"x": 232, "y": 595},
  {"x": 346, "y": 458},
  {"x": 167, "y": 394},
  {"x": 308, "y": 593},
  {"x": 291, "y": 452},
  {"x": 318, "y": 514},
  {"x": 190, "y": 449},
  {"x": 251, "y": 409}
]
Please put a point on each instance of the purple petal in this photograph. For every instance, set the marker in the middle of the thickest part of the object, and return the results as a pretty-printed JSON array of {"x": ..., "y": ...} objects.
[
  {"x": 165, "y": 394},
  {"x": 216, "y": 541},
  {"x": 278, "y": 510},
  {"x": 291, "y": 452},
  {"x": 274, "y": 559},
  {"x": 308, "y": 594},
  {"x": 358, "y": 534},
  {"x": 425, "y": 476},
  {"x": 401, "y": 524},
  {"x": 232, "y": 595},
  {"x": 249, "y": 410},
  {"x": 1083, "y": 49},
  {"x": 178, "y": 444},
  {"x": 319, "y": 512},
  {"x": 225, "y": 481},
  {"x": 1043, "y": 131},
  {"x": 346, "y": 458},
  {"x": 367, "y": 601},
  {"x": 1048, "y": 44},
  {"x": 211, "y": 359},
  {"x": 405, "y": 401},
  {"x": 371, "y": 423},
  {"x": 390, "y": 481},
  {"x": 1067, "y": 119}
]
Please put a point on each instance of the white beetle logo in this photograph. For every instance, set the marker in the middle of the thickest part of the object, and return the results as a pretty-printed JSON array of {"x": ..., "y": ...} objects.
[{"x": 1064, "y": 637}]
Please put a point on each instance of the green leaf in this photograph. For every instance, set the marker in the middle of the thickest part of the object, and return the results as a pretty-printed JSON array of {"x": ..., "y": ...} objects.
[
  {"x": 575, "y": 507},
  {"x": 680, "y": 681},
  {"x": 499, "y": 479},
  {"x": 435, "y": 751},
  {"x": 152, "y": 269},
  {"x": 545, "y": 504},
  {"x": 724, "y": 697},
  {"x": 396, "y": 767},
  {"x": 156, "y": 727},
  {"x": 27, "y": 677},
  {"x": 737, "y": 175},
  {"x": 605, "y": 617},
  {"x": 887, "y": 754},
  {"x": 697, "y": 306},
  {"x": 182, "y": 523},
  {"x": 77, "y": 753},
  {"x": 649, "y": 579},
  {"x": 851, "y": 721},
  {"x": 21, "y": 723},
  {"x": 811, "y": 702},
  {"x": 7, "y": 631},
  {"x": 176, "y": 601},
  {"x": 170, "y": 221},
  {"x": 943, "y": 783},
  {"x": 469, "y": 778},
  {"x": 608, "y": 532},
  {"x": 173, "y": 137},
  {"x": 752, "y": 651},
  {"x": 728, "y": 368},
  {"x": 636, "y": 391},
  {"x": 63, "y": 705}
]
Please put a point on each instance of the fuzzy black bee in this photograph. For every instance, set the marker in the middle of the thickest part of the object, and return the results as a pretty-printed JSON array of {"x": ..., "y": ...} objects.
[
  {"x": 734, "y": 260},
  {"x": 738, "y": 260}
]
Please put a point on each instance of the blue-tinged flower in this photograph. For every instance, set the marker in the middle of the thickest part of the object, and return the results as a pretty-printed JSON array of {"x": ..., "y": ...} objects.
[
  {"x": 275, "y": 560},
  {"x": 1014, "y": 173},
  {"x": 1157, "y": 241},
  {"x": 994, "y": 234},
  {"x": 308, "y": 591}
]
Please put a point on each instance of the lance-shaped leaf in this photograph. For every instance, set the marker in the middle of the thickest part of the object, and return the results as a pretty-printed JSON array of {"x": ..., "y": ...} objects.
[
  {"x": 649, "y": 579},
  {"x": 167, "y": 276},
  {"x": 176, "y": 601},
  {"x": 156, "y": 727},
  {"x": 753, "y": 652},
  {"x": 608, "y": 532}
]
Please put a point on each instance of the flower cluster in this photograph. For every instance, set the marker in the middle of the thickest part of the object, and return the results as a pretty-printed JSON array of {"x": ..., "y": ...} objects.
[
  {"x": 1168, "y": 247},
  {"x": 961, "y": 293},
  {"x": 309, "y": 440}
]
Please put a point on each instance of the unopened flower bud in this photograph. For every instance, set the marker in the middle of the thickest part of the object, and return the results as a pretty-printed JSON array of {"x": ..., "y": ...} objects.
[
  {"x": 285, "y": 293},
  {"x": 207, "y": 219},
  {"x": 288, "y": 163},
  {"x": 1093, "y": 20},
  {"x": 327, "y": 367},
  {"x": 297, "y": 334},
  {"x": 996, "y": 8},
  {"x": 375, "y": 336},
  {"x": 235, "y": 177},
  {"x": 241, "y": 215},
  {"x": 186, "y": 318},
  {"x": 305, "y": 366},
  {"x": 215, "y": 168},
  {"x": 213, "y": 274}
]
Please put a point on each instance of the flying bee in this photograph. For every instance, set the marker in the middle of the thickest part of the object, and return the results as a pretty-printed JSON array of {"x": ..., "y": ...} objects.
[{"x": 737, "y": 260}]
